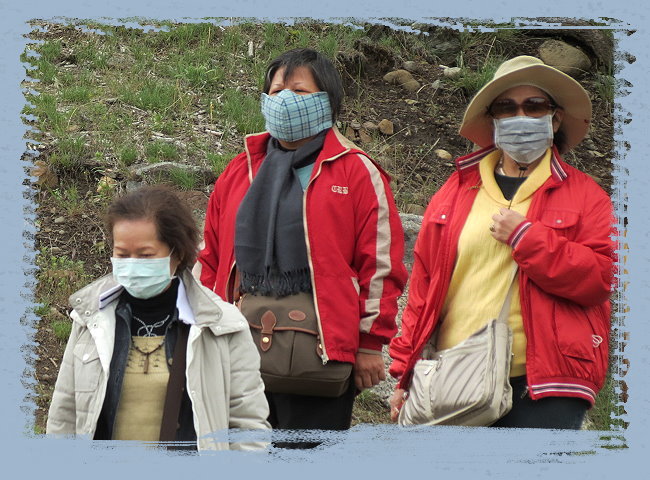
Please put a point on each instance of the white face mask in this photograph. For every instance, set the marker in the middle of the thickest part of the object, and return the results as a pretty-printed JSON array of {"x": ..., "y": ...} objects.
[
  {"x": 524, "y": 138},
  {"x": 142, "y": 277}
]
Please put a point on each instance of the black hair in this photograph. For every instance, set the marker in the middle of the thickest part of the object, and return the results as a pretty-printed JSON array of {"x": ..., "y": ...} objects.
[{"x": 325, "y": 74}]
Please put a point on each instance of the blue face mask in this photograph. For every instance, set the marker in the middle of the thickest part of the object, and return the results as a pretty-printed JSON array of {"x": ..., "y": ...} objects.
[
  {"x": 290, "y": 117},
  {"x": 142, "y": 277}
]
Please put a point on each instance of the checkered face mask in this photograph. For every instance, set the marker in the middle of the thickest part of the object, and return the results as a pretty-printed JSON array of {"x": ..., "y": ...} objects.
[{"x": 290, "y": 117}]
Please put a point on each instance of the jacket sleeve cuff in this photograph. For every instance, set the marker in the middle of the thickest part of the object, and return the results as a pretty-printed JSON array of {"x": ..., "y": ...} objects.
[
  {"x": 370, "y": 342},
  {"x": 518, "y": 233}
]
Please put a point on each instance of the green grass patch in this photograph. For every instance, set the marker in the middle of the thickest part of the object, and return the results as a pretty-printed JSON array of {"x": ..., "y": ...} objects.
[
  {"x": 58, "y": 278},
  {"x": 184, "y": 179},
  {"x": 76, "y": 94},
  {"x": 159, "y": 151},
  {"x": 219, "y": 161},
  {"x": 243, "y": 110},
  {"x": 68, "y": 200},
  {"x": 62, "y": 329},
  {"x": 471, "y": 81},
  {"x": 69, "y": 151},
  {"x": 156, "y": 95},
  {"x": 128, "y": 155}
]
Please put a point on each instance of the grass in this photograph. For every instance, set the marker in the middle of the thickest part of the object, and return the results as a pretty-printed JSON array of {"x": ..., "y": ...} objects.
[
  {"x": 471, "y": 80},
  {"x": 58, "y": 278},
  {"x": 369, "y": 408},
  {"x": 68, "y": 200},
  {"x": 128, "y": 155},
  {"x": 158, "y": 151},
  {"x": 183, "y": 179},
  {"x": 243, "y": 110},
  {"x": 218, "y": 161}
]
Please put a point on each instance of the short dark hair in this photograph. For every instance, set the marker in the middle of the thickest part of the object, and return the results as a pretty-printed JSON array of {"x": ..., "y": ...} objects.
[
  {"x": 173, "y": 219},
  {"x": 325, "y": 74}
]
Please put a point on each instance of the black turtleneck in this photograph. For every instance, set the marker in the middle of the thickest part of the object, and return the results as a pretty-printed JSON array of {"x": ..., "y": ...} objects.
[{"x": 152, "y": 310}]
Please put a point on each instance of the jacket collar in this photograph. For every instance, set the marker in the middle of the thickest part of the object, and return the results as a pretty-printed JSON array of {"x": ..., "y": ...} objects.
[
  {"x": 196, "y": 304},
  {"x": 334, "y": 146},
  {"x": 469, "y": 164}
]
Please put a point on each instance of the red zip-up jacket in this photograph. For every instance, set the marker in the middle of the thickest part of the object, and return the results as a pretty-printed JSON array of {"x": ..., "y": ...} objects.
[
  {"x": 565, "y": 254},
  {"x": 354, "y": 238}
]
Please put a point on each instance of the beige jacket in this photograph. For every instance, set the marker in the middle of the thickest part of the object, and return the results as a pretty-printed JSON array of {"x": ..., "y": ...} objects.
[{"x": 223, "y": 379}]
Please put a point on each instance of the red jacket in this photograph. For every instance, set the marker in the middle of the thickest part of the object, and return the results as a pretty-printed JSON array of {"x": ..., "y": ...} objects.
[
  {"x": 565, "y": 255},
  {"x": 354, "y": 237}
]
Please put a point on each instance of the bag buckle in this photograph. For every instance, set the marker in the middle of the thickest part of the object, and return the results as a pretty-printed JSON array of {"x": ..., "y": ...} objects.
[{"x": 268, "y": 322}]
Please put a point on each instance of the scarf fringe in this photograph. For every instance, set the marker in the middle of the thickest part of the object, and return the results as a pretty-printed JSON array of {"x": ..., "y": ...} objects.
[{"x": 278, "y": 284}]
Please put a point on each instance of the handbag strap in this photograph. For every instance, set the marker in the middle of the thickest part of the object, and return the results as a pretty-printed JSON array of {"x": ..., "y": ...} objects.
[
  {"x": 505, "y": 308},
  {"x": 175, "y": 387}
]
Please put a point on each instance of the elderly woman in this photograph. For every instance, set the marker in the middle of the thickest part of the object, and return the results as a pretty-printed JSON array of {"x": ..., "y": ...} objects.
[
  {"x": 515, "y": 202},
  {"x": 153, "y": 355},
  {"x": 303, "y": 221}
]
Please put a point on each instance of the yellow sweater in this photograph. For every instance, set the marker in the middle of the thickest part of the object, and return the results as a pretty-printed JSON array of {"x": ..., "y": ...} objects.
[
  {"x": 479, "y": 283},
  {"x": 139, "y": 414}
]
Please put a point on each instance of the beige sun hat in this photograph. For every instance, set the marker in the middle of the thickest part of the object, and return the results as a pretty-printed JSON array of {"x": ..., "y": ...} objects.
[{"x": 477, "y": 125}]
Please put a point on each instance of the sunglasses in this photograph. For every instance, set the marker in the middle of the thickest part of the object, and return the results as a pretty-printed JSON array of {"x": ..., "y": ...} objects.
[{"x": 532, "y": 107}]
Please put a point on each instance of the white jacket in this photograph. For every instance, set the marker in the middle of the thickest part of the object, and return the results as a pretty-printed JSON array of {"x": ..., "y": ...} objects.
[{"x": 222, "y": 372}]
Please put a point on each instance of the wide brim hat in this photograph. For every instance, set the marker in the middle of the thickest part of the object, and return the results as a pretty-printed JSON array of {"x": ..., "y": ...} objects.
[{"x": 478, "y": 126}]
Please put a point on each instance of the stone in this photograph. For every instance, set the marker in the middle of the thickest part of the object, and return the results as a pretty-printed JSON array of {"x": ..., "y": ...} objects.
[
  {"x": 451, "y": 72},
  {"x": 371, "y": 127},
  {"x": 386, "y": 127},
  {"x": 349, "y": 133},
  {"x": 564, "y": 57},
  {"x": 206, "y": 175},
  {"x": 404, "y": 79},
  {"x": 364, "y": 137},
  {"x": 436, "y": 85},
  {"x": 442, "y": 154},
  {"x": 58, "y": 220},
  {"x": 415, "y": 209},
  {"x": 356, "y": 125},
  {"x": 411, "y": 66},
  {"x": 412, "y": 86}
]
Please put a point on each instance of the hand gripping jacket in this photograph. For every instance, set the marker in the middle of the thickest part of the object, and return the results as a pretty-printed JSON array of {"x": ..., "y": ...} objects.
[
  {"x": 565, "y": 254},
  {"x": 354, "y": 242}
]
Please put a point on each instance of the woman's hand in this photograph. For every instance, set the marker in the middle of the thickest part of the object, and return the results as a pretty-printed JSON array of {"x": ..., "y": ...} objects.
[
  {"x": 396, "y": 401},
  {"x": 504, "y": 223},
  {"x": 369, "y": 370}
]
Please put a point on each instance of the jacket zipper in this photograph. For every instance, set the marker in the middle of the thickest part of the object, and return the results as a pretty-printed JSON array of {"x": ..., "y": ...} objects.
[{"x": 324, "y": 357}]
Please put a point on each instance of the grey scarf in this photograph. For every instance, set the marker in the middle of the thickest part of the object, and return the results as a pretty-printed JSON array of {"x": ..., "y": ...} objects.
[{"x": 270, "y": 249}]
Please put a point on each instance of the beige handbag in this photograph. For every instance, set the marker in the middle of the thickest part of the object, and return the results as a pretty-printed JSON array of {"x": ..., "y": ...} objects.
[{"x": 467, "y": 384}]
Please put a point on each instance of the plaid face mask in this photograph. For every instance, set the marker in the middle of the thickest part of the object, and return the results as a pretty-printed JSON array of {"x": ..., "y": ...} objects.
[{"x": 290, "y": 117}]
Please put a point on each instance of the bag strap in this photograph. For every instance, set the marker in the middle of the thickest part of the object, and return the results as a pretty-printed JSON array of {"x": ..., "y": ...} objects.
[
  {"x": 505, "y": 308},
  {"x": 175, "y": 387}
]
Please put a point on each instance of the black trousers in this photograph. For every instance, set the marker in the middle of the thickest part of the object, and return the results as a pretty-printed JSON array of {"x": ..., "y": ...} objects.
[
  {"x": 549, "y": 412},
  {"x": 305, "y": 412}
]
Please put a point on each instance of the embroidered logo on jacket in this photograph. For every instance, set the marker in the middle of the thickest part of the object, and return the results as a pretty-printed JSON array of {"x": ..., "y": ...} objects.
[{"x": 341, "y": 190}]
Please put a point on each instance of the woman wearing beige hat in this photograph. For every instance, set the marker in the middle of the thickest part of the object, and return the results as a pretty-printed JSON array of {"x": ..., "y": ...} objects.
[{"x": 516, "y": 203}]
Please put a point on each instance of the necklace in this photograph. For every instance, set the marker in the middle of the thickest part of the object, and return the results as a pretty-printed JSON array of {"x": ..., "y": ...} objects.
[
  {"x": 148, "y": 329},
  {"x": 146, "y": 354}
]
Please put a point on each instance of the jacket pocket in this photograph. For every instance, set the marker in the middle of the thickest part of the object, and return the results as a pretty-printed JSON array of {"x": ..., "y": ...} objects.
[
  {"x": 560, "y": 219},
  {"x": 441, "y": 214},
  {"x": 574, "y": 331},
  {"x": 87, "y": 367}
]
